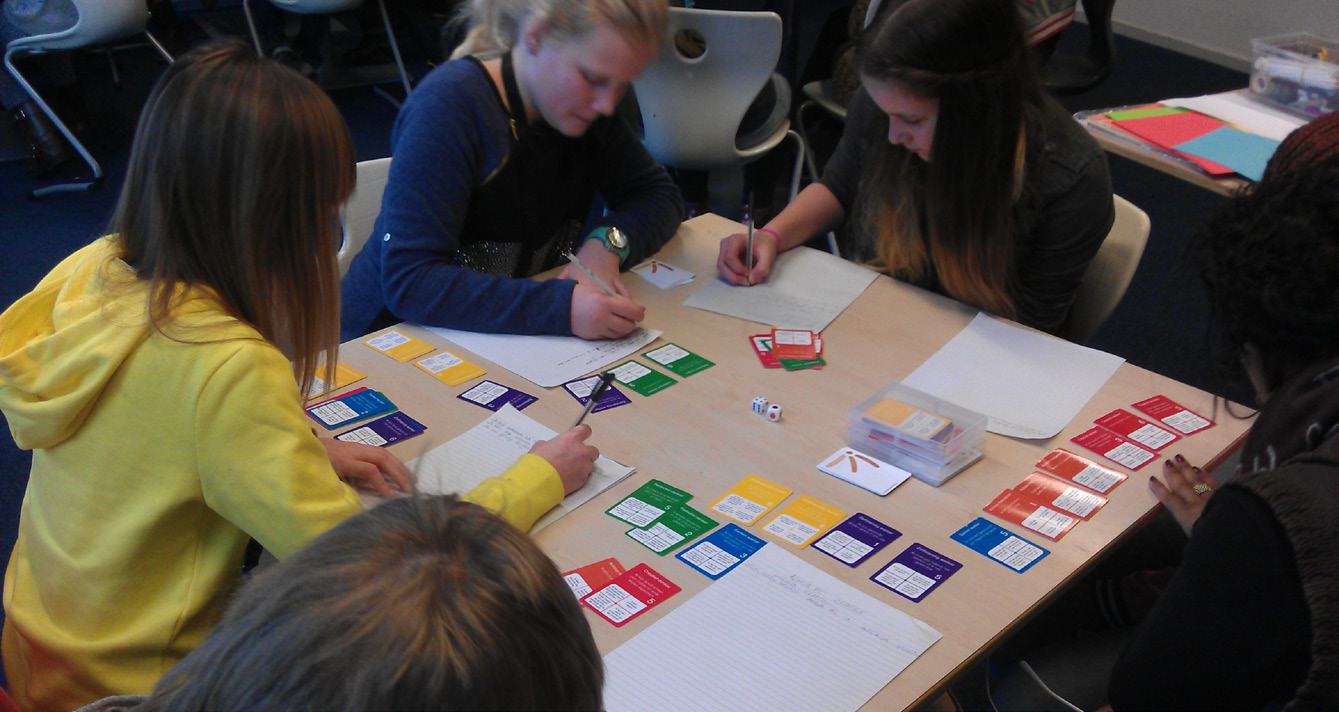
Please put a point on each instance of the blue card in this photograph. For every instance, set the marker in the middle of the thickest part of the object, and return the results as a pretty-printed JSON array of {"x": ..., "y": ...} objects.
[
  {"x": 725, "y": 549},
  {"x": 495, "y": 395},
  {"x": 916, "y": 572},
  {"x": 581, "y": 388},
  {"x": 1000, "y": 544},
  {"x": 384, "y": 431},
  {"x": 856, "y": 539},
  {"x": 362, "y": 403},
  {"x": 1245, "y": 153}
]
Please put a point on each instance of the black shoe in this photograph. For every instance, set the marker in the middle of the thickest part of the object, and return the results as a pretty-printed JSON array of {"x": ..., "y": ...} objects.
[{"x": 49, "y": 149}]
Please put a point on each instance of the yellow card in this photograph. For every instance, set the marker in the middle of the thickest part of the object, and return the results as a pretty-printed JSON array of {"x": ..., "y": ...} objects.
[
  {"x": 805, "y": 519},
  {"x": 398, "y": 346},
  {"x": 449, "y": 368},
  {"x": 344, "y": 375},
  {"x": 750, "y": 499}
]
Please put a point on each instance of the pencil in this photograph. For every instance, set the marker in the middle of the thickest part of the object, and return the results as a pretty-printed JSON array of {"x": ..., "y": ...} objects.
[{"x": 573, "y": 258}]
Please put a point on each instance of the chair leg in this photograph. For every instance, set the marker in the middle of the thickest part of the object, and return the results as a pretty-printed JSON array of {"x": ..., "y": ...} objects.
[
  {"x": 800, "y": 153},
  {"x": 65, "y": 131},
  {"x": 395, "y": 46},
  {"x": 251, "y": 25}
]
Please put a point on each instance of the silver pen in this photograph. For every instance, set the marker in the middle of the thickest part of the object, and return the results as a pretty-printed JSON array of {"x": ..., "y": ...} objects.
[{"x": 605, "y": 379}]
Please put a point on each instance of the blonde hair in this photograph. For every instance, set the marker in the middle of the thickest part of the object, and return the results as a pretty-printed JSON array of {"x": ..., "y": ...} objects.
[
  {"x": 495, "y": 25},
  {"x": 235, "y": 175}
]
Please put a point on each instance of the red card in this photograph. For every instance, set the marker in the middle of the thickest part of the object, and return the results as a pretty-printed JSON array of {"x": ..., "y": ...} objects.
[
  {"x": 759, "y": 342},
  {"x": 630, "y": 595},
  {"x": 594, "y": 576},
  {"x": 1061, "y": 495},
  {"x": 1167, "y": 131},
  {"x": 1115, "y": 448},
  {"x": 1168, "y": 412},
  {"x": 1012, "y": 506},
  {"x": 1080, "y": 470},
  {"x": 796, "y": 344},
  {"x": 1132, "y": 427},
  {"x": 342, "y": 395}
]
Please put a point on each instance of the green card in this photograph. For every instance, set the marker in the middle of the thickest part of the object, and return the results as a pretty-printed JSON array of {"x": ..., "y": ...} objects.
[
  {"x": 678, "y": 360},
  {"x": 796, "y": 364},
  {"x": 648, "y": 503},
  {"x": 673, "y": 529},
  {"x": 1142, "y": 113},
  {"x": 641, "y": 379}
]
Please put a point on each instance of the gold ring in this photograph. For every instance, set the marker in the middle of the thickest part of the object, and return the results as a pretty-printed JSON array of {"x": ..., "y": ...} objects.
[{"x": 1202, "y": 488}]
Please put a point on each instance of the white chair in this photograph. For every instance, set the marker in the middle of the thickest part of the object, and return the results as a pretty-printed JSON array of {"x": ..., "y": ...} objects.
[
  {"x": 100, "y": 22},
  {"x": 1110, "y": 272},
  {"x": 692, "y": 106},
  {"x": 326, "y": 7},
  {"x": 358, "y": 216}
]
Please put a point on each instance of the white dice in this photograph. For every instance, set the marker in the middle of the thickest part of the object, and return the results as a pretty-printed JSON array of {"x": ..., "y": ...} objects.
[
  {"x": 759, "y": 405},
  {"x": 774, "y": 412}
]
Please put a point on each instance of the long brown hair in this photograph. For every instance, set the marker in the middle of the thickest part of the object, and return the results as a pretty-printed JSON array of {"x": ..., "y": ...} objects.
[
  {"x": 422, "y": 603},
  {"x": 951, "y": 220},
  {"x": 236, "y": 173}
]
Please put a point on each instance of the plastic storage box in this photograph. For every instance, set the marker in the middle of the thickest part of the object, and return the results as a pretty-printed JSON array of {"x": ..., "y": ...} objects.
[
  {"x": 1298, "y": 72},
  {"x": 928, "y": 437}
]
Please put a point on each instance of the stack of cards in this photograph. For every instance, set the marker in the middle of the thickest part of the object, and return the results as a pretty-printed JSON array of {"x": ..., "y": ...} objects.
[
  {"x": 586, "y": 579},
  {"x": 1013, "y": 506},
  {"x": 751, "y": 498},
  {"x": 1126, "y": 439},
  {"x": 1080, "y": 470},
  {"x": 662, "y": 519},
  {"x": 641, "y": 379},
  {"x": 350, "y": 407},
  {"x": 804, "y": 350},
  {"x": 662, "y": 274},
  {"x": 631, "y": 594},
  {"x": 863, "y": 471},
  {"x": 344, "y": 375},
  {"x": 399, "y": 346},
  {"x": 384, "y": 431},
  {"x": 1176, "y": 416},
  {"x": 449, "y": 368},
  {"x": 678, "y": 360}
]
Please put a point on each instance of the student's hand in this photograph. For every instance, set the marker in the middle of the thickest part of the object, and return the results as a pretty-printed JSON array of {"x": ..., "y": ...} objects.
[
  {"x": 370, "y": 468},
  {"x": 596, "y": 315},
  {"x": 732, "y": 262},
  {"x": 1179, "y": 495},
  {"x": 602, "y": 262},
  {"x": 570, "y": 456}
]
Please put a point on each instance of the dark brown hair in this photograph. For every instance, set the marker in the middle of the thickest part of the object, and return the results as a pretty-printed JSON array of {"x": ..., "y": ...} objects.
[
  {"x": 951, "y": 219},
  {"x": 236, "y": 174},
  {"x": 421, "y": 603}
]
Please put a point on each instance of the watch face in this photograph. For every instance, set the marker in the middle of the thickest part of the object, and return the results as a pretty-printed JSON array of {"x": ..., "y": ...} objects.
[{"x": 616, "y": 238}]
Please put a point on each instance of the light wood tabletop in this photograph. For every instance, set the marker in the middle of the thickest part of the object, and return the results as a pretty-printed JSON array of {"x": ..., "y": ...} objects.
[{"x": 701, "y": 435}]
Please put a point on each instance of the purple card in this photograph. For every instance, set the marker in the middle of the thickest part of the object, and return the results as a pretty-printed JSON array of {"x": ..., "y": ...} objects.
[
  {"x": 495, "y": 395},
  {"x": 856, "y": 539},
  {"x": 581, "y": 388},
  {"x": 916, "y": 572},
  {"x": 384, "y": 431}
]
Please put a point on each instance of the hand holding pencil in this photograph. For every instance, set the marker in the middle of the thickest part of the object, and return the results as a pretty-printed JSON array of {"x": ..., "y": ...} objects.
[{"x": 601, "y": 306}]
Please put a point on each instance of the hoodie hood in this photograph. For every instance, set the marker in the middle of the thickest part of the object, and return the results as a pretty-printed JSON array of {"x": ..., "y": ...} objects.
[{"x": 61, "y": 343}]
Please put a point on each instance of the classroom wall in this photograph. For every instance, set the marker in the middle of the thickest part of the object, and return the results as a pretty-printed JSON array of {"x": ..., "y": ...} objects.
[{"x": 1221, "y": 31}]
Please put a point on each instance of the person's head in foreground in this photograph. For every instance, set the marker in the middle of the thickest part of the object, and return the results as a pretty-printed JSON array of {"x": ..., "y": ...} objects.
[{"x": 422, "y": 603}]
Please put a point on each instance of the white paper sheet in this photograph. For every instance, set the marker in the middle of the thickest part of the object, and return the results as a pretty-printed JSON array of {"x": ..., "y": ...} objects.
[
  {"x": 774, "y": 634},
  {"x": 807, "y": 289},
  {"x": 1238, "y": 108},
  {"x": 488, "y": 449},
  {"x": 1030, "y": 385},
  {"x": 548, "y": 361}
]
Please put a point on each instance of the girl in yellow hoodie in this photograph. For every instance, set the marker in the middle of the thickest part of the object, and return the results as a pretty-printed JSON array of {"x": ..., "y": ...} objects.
[{"x": 152, "y": 374}]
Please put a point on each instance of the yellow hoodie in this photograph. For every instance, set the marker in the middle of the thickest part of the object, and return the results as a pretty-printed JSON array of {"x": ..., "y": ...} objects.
[{"x": 155, "y": 457}]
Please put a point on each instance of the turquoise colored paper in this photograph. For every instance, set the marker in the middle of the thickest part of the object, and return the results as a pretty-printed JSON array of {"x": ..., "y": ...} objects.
[{"x": 1245, "y": 153}]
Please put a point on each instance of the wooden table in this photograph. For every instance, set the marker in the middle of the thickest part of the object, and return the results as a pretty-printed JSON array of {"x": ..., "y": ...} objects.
[{"x": 701, "y": 435}]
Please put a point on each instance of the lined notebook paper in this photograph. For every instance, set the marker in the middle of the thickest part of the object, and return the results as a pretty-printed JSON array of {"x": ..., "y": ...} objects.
[
  {"x": 548, "y": 361},
  {"x": 774, "y": 634},
  {"x": 487, "y": 450}
]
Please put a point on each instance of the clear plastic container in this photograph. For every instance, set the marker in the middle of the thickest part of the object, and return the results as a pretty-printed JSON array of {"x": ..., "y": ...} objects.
[
  {"x": 1298, "y": 72},
  {"x": 929, "y": 437}
]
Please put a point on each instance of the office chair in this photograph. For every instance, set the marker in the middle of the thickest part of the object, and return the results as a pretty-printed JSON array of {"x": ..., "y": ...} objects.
[
  {"x": 100, "y": 22},
  {"x": 692, "y": 107},
  {"x": 1067, "y": 73},
  {"x": 1110, "y": 272},
  {"x": 326, "y": 7},
  {"x": 359, "y": 215}
]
